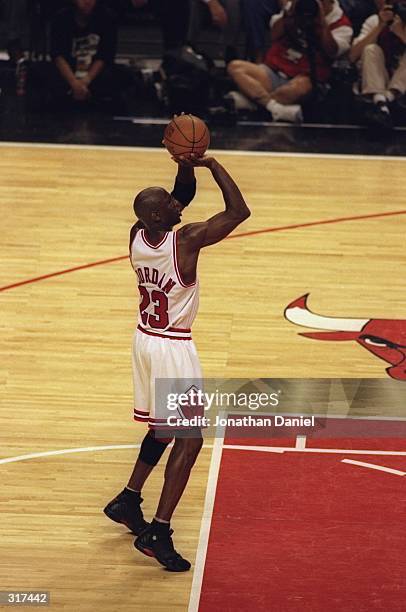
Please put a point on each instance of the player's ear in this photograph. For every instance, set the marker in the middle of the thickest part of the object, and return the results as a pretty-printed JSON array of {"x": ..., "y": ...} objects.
[{"x": 155, "y": 216}]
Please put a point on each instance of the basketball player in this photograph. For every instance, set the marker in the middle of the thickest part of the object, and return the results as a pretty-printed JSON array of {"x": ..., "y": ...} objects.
[{"x": 165, "y": 262}]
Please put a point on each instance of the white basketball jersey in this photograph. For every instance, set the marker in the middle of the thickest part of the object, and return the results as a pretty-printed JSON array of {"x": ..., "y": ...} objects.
[{"x": 168, "y": 306}]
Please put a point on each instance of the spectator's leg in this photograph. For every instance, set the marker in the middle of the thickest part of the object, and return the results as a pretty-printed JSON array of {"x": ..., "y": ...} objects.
[
  {"x": 375, "y": 79},
  {"x": 397, "y": 84},
  {"x": 256, "y": 15},
  {"x": 293, "y": 92},
  {"x": 252, "y": 80},
  {"x": 284, "y": 103},
  {"x": 373, "y": 71}
]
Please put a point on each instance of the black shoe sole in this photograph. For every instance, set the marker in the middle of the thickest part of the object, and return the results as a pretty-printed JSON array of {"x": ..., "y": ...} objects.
[
  {"x": 150, "y": 553},
  {"x": 145, "y": 551}
]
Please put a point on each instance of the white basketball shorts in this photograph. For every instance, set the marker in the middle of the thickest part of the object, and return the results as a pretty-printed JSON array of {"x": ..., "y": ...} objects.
[{"x": 153, "y": 358}]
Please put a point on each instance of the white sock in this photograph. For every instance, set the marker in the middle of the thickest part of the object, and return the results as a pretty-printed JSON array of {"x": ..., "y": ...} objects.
[
  {"x": 382, "y": 102},
  {"x": 390, "y": 96},
  {"x": 158, "y": 520},
  {"x": 285, "y": 112},
  {"x": 379, "y": 98}
]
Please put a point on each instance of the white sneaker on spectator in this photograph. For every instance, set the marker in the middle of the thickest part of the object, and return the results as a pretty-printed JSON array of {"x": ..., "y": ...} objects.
[
  {"x": 240, "y": 101},
  {"x": 285, "y": 112}
]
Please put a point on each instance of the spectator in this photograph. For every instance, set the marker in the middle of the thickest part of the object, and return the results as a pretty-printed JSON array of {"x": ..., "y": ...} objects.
[
  {"x": 225, "y": 14},
  {"x": 256, "y": 15},
  {"x": 83, "y": 47},
  {"x": 306, "y": 39},
  {"x": 380, "y": 53}
]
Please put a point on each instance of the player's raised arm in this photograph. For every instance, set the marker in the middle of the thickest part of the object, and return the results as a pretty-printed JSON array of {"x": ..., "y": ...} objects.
[
  {"x": 184, "y": 189},
  {"x": 236, "y": 210}
]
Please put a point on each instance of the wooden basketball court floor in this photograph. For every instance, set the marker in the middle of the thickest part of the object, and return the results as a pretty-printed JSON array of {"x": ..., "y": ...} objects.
[{"x": 331, "y": 227}]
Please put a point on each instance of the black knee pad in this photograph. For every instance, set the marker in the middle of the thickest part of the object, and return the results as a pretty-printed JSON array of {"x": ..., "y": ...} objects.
[{"x": 152, "y": 450}]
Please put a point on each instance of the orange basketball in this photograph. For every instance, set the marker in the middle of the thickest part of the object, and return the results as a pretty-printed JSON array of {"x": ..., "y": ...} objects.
[{"x": 186, "y": 134}]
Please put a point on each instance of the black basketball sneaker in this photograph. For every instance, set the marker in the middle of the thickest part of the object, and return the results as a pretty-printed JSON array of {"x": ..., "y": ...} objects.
[
  {"x": 126, "y": 509},
  {"x": 161, "y": 547}
]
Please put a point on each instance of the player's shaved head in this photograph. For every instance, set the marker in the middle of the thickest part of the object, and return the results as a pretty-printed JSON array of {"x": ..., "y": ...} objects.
[{"x": 149, "y": 201}]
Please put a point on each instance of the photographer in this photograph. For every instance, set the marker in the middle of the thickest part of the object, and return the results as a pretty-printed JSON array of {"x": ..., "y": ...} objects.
[
  {"x": 380, "y": 53},
  {"x": 307, "y": 36}
]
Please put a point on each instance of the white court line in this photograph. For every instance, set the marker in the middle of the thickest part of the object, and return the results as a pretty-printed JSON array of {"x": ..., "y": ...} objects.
[
  {"x": 264, "y": 449},
  {"x": 48, "y": 145},
  {"x": 381, "y": 468},
  {"x": 267, "y": 449},
  {"x": 201, "y": 553},
  {"x": 300, "y": 442},
  {"x": 67, "y": 451},
  {"x": 340, "y": 451}
]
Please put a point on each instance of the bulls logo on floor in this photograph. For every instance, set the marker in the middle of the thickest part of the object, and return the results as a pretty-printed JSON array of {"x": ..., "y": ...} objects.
[{"x": 385, "y": 338}]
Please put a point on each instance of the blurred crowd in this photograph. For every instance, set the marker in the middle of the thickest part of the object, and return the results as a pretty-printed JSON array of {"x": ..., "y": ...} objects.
[{"x": 279, "y": 56}]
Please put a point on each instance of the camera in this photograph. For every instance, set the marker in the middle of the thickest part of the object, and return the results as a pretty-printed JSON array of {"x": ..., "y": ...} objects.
[
  {"x": 307, "y": 8},
  {"x": 399, "y": 8}
]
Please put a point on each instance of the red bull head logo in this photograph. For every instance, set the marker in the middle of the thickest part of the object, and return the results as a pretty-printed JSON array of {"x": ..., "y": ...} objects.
[{"x": 385, "y": 338}]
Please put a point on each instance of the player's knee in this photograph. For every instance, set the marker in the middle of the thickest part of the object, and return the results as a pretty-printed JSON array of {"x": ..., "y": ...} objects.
[{"x": 152, "y": 449}]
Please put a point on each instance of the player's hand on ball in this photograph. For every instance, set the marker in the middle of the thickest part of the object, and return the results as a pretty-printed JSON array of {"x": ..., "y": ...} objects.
[
  {"x": 202, "y": 160},
  {"x": 194, "y": 161},
  {"x": 182, "y": 160}
]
